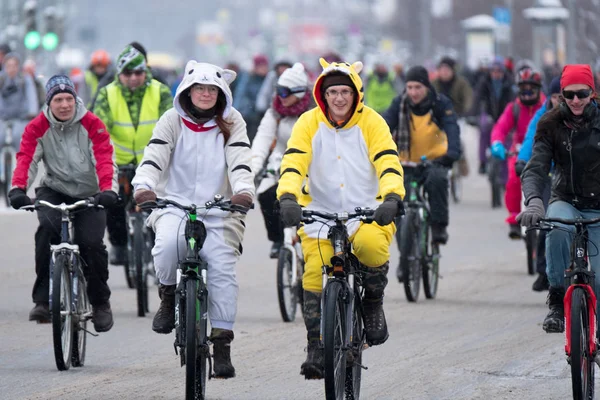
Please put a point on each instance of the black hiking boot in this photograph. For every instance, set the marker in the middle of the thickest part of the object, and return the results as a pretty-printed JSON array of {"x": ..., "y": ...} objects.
[
  {"x": 164, "y": 319},
  {"x": 555, "y": 320},
  {"x": 222, "y": 367}
]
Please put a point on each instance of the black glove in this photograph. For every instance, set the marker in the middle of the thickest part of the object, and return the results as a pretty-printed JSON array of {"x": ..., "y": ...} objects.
[
  {"x": 290, "y": 210},
  {"x": 106, "y": 199},
  {"x": 445, "y": 161},
  {"x": 388, "y": 210},
  {"x": 18, "y": 198},
  {"x": 519, "y": 167},
  {"x": 534, "y": 212}
]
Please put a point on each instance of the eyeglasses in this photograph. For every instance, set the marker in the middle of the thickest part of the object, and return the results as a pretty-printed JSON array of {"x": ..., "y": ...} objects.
[
  {"x": 334, "y": 93},
  {"x": 210, "y": 89},
  {"x": 129, "y": 72},
  {"x": 581, "y": 94},
  {"x": 284, "y": 91},
  {"x": 529, "y": 92}
]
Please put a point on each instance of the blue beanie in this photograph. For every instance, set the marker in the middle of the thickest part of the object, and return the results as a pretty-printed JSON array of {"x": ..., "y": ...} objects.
[
  {"x": 59, "y": 84},
  {"x": 555, "y": 85}
]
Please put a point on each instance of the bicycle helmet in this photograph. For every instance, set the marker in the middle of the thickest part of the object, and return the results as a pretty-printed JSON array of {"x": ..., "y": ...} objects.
[
  {"x": 529, "y": 76},
  {"x": 100, "y": 58}
]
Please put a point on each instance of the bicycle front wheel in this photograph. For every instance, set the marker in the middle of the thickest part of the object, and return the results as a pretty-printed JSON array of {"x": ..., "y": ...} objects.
[
  {"x": 334, "y": 338},
  {"x": 61, "y": 312},
  {"x": 354, "y": 360},
  {"x": 286, "y": 294},
  {"x": 431, "y": 267},
  {"x": 82, "y": 313},
  {"x": 141, "y": 272},
  {"x": 410, "y": 258},
  {"x": 8, "y": 173},
  {"x": 195, "y": 369},
  {"x": 582, "y": 363}
]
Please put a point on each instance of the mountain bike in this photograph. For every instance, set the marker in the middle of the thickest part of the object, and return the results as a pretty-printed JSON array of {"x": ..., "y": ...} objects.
[
  {"x": 8, "y": 158},
  {"x": 69, "y": 304},
  {"x": 579, "y": 306},
  {"x": 191, "y": 296},
  {"x": 290, "y": 267},
  {"x": 140, "y": 240},
  {"x": 419, "y": 255},
  {"x": 342, "y": 325}
]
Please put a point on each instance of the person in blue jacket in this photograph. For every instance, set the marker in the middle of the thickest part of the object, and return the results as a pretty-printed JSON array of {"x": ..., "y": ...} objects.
[{"x": 541, "y": 283}]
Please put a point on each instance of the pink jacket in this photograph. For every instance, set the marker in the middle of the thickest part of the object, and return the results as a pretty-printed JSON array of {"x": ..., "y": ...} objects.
[{"x": 506, "y": 122}]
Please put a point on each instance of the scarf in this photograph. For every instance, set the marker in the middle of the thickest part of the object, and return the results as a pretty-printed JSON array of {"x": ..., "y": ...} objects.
[
  {"x": 294, "y": 110},
  {"x": 406, "y": 108}
]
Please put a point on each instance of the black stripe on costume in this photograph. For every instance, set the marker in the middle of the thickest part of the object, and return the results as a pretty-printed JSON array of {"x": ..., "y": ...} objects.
[
  {"x": 242, "y": 166},
  {"x": 292, "y": 150},
  {"x": 157, "y": 141},
  {"x": 240, "y": 144},
  {"x": 378, "y": 198},
  {"x": 390, "y": 171},
  {"x": 384, "y": 153},
  {"x": 149, "y": 162},
  {"x": 304, "y": 190},
  {"x": 290, "y": 170}
]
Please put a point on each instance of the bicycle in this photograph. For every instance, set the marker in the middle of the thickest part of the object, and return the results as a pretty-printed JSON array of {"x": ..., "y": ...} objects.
[
  {"x": 342, "y": 325},
  {"x": 68, "y": 300},
  {"x": 290, "y": 267},
  {"x": 455, "y": 181},
  {"x": 419, "y": 255},
  {"x": 191, "y": 296},
  {"x": 8, "y": 158},
  {"x": 579, "y": 306},
  {"x": 140, "y": 240}
]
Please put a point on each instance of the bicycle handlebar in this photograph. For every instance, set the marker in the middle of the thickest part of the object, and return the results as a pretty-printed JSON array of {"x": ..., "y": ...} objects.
[
  {"x": 365, "y": 214},
  {"x": 63, "y": 207},
  {"x": 218, "y": 202}
]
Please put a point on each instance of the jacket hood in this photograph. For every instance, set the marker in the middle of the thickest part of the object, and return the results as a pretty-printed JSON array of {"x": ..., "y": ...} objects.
[
  {"x": 80, "y": 111},
  {"x": 353, "y": 72},
  {"x": 206, "y": 74}
]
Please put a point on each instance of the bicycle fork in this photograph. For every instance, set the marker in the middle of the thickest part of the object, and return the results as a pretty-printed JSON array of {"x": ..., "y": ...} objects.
[
  {"x": 591, "y": 300},
  {"x": 288, "y": 243}
]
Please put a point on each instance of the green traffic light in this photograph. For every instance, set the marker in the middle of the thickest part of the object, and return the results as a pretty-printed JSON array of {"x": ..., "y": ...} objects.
[
  {"x": 50, "y": 41},
  {"x": 32, "y": 40}
]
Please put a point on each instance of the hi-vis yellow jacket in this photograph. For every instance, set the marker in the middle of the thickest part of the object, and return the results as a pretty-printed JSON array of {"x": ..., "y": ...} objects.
[{"x": 337, "y": 169}]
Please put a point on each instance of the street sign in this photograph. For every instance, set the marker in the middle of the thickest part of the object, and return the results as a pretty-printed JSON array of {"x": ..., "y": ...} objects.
[{"x": 502, "y": 15}]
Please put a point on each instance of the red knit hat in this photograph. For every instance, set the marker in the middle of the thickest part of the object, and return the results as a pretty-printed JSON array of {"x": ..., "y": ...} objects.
[{"x": 573, "y": 74}]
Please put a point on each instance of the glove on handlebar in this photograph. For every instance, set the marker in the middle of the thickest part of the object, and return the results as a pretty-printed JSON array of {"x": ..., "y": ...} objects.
[
  {"x": 242, "y": 199},
  {"x": 534, "y": 212},
  {"x": 106, "y": 198},
  {"x": 388, "y": 210},
  {"x": 143, "y": 196},
  {"x": 290, "y": 210},
  {"x": 18, "y": 198}
]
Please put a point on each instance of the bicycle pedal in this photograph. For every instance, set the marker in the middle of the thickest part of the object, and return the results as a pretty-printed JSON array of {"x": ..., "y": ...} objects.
[
  {"x": 363, "y": 367},
  {"x": 91, "y": 333}
]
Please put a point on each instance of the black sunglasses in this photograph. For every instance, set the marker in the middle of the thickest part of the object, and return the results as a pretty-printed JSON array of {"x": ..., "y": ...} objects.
[
  {"x": 129, "y": 72},
  {"x": 581, "y": 94},
  {"x": 284, "y": 91}
]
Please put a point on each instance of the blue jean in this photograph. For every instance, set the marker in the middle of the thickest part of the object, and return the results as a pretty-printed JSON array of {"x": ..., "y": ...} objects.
[{"x": 558, "y": 243}]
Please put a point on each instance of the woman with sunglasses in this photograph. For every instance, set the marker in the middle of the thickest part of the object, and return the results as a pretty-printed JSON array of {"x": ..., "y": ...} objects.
[
  {"x": 569, "y": 137},
  {"x": 271, "y": 139},
  {"x": 516, "y": 117}
]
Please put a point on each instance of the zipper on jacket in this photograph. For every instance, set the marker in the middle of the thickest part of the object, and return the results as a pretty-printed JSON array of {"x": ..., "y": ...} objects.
[{"x": 569, "y": 149}]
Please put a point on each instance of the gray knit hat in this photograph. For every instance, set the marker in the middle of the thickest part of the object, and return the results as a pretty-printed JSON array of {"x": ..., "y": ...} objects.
[{"x": 59, "y": 84}]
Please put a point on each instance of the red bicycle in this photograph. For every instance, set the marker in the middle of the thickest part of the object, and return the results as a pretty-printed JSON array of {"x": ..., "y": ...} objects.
[{"x": 580, "y": 307}]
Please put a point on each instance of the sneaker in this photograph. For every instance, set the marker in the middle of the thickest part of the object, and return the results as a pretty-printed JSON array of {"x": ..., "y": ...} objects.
[
  {"x": 40, "y": 313},
  {"x": 222, "y": 367},
  {"x": 313, "y": 367},
  {"x": 514, "y": 231},
  {"x": 164, "y": 319},
  {"x": 555, "y": 320},
  {"x": 482, "y": 169},
  {"x": 375, "y": 323},
  {"x": 439, "y": 234},
  {"x": 118, "y": 255},
  {"x": 541, "y": 283},
  {"x": 102, "y": 317},
  {"x": 275, "y": 250}
]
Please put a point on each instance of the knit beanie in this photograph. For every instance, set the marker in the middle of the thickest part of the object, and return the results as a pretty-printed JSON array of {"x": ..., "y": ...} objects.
[
  {"x": 59, "y": 84},
  {"x": 130, "y": 59},
  {"x": 419, "y": 74},
  {"x": 294, "y": 77},
  {"x": 555, "y": 85},
  {"x": 577, "y": 73},
  {"x": 336, "y": 78},
  {"x": 447, "y": 61}
]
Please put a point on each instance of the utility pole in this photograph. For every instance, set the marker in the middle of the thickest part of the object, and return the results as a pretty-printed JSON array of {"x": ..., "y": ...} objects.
[
  {"x": 425, "y": 20},
  {"x": 572, "y": 33}
]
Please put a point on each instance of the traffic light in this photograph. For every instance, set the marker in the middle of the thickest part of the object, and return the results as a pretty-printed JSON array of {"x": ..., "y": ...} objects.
[
  {"x": 50, "y": 40},
  {"x": 32, "y": 38}
]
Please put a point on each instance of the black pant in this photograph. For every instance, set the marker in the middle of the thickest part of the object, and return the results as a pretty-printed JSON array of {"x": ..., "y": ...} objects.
[
  {"x": 267, "y": 202},
  {"x": 89, "y": 228},
  {"x": 116, "y": 225}
]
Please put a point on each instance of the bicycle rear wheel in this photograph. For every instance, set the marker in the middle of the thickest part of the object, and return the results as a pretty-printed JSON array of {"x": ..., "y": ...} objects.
[
  {"x": 354, "y": 362},
  {"x": 495, "y": 179},
  {"x": 195, "y": 375},
  {"x": 431, "y": 267},
  {"x": 82, "y": 311},
  {"x": 531, "y": 239},
  {"x": 334, "y": 336},
  {"x": 61, "y": 312},
  {"x": 582, "y": 363},
  {"x": 410, "y": 258},
  {"x": 287, "y": 295},
  {"x": 141, "y": 272}
]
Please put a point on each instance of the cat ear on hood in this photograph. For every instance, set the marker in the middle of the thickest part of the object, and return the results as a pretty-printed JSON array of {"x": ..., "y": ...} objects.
[
  {"x": 323, "y": 63},
  {"x": 358, "y": 66},
  {"x": 190, "y": 66},
  {"x": 229, "y": 75}
]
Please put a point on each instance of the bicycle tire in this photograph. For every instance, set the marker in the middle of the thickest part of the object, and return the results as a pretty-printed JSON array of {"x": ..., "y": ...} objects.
[
  {"x": 531, "y": 238},
  {"x": 8, "y": 172},
  {"x": 582, "y": 364},
  {"x": 141, "y": 274},
  {"x": 431, "y": 267},
  {"x": 286, "y": 294},
  {"x": 456, "y": 185},
  {"x": 495, "y": 182},
  {"x": 334, "y": 333},
  {"x": 194, "y": 385},
  {"x": 61, "y": 312},
  {"x": 410, "y": 262},
  {"x": 354, "y": 371},
  {"x": 129, "y": 266},
  {"x": 80, "y": 332}
]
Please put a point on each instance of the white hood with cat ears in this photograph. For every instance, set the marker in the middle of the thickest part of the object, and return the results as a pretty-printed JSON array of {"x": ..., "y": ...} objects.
[{"x": 206, "y": 74}]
